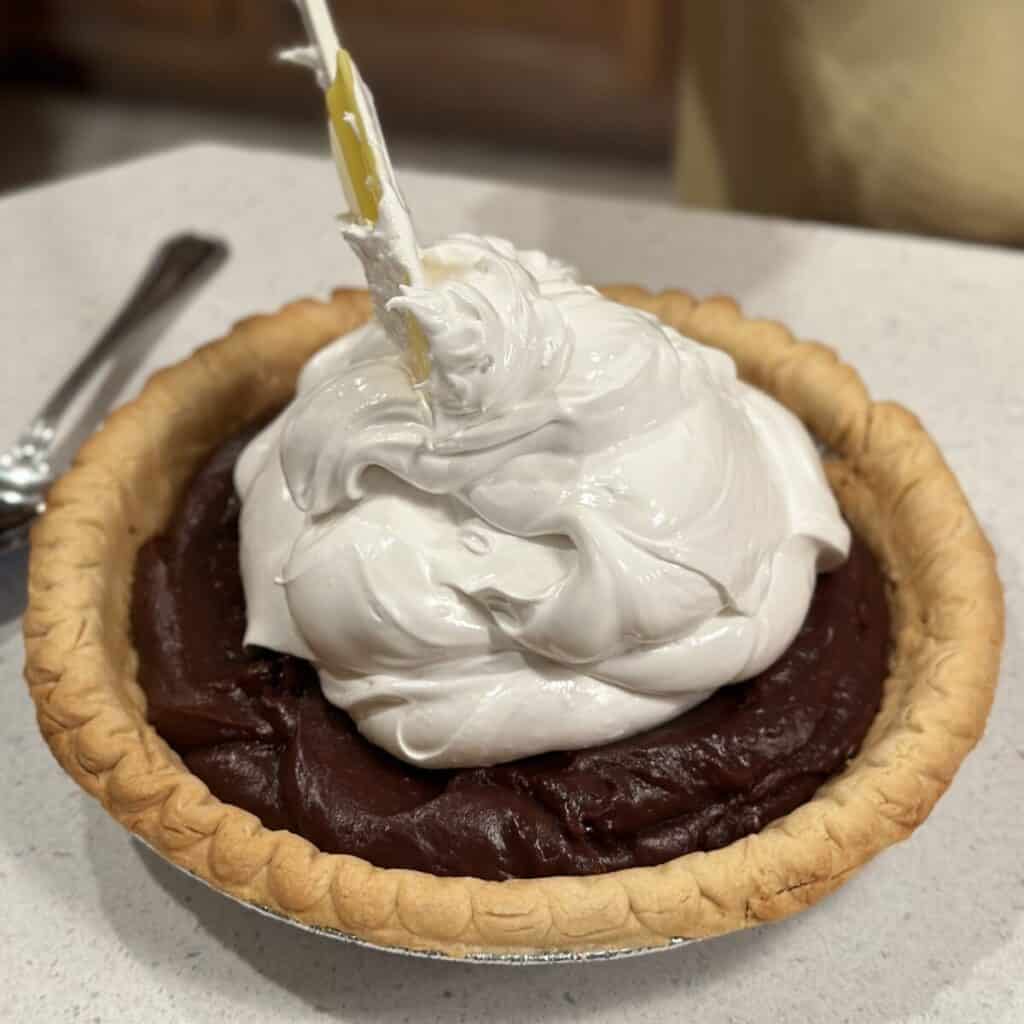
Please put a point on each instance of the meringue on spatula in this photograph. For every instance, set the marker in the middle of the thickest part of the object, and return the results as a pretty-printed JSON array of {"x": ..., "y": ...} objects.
[{"x": 379, "y": 227}]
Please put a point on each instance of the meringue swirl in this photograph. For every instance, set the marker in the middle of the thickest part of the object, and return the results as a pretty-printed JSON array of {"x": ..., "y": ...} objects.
[{"x": 581, "y": 526}]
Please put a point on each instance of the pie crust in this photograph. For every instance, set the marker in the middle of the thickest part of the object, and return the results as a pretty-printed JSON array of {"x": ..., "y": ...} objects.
[{"x": 893, "y": 485}]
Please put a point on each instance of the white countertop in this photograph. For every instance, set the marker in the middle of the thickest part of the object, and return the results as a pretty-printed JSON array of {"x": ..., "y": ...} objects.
[{"x": 94, "y": 928}]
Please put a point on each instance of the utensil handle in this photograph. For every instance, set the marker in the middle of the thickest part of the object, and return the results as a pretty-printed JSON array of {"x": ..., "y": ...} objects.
[{"x": 180, "y": 264}]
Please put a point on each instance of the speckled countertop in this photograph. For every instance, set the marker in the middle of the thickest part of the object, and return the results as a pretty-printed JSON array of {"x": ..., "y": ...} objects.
[{"x": 95, "y": 928}]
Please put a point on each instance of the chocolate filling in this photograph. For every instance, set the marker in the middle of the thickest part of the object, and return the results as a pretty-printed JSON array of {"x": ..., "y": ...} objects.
[{"x": 254, "y": 726}]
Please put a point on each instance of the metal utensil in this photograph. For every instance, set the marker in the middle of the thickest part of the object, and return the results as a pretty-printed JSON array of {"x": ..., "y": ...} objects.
[{"x": 26, "y": 472}]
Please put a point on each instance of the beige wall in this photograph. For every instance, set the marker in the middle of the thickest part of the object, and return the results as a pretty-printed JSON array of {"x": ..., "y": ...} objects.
[{"x": 906, "y": 114}]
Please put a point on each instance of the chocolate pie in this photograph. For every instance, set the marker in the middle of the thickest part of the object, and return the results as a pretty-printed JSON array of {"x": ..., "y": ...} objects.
[
  {"x": 256, "y": 728},
  {"x": 745, "y": 809}
]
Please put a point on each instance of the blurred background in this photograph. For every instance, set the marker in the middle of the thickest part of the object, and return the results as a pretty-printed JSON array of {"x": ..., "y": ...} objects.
[
  {"x": 901, "y": 114},
  {"x": 577, "y": 93}
]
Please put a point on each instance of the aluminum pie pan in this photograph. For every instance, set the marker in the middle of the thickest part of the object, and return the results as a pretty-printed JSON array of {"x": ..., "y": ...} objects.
[{"x": 498, "y": 959}]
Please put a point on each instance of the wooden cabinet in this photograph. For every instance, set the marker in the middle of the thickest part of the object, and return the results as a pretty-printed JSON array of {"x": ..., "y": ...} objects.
[
  {"x": 184, "y": 17},
  {"x": 573, "y": 72}
]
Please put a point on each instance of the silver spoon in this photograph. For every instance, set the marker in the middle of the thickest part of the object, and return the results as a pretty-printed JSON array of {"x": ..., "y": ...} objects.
[{"x": 179, "y": 265}]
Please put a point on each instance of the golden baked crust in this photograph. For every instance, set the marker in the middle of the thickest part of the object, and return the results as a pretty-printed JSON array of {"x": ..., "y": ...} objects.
[{"x": 891, "y": 481}]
